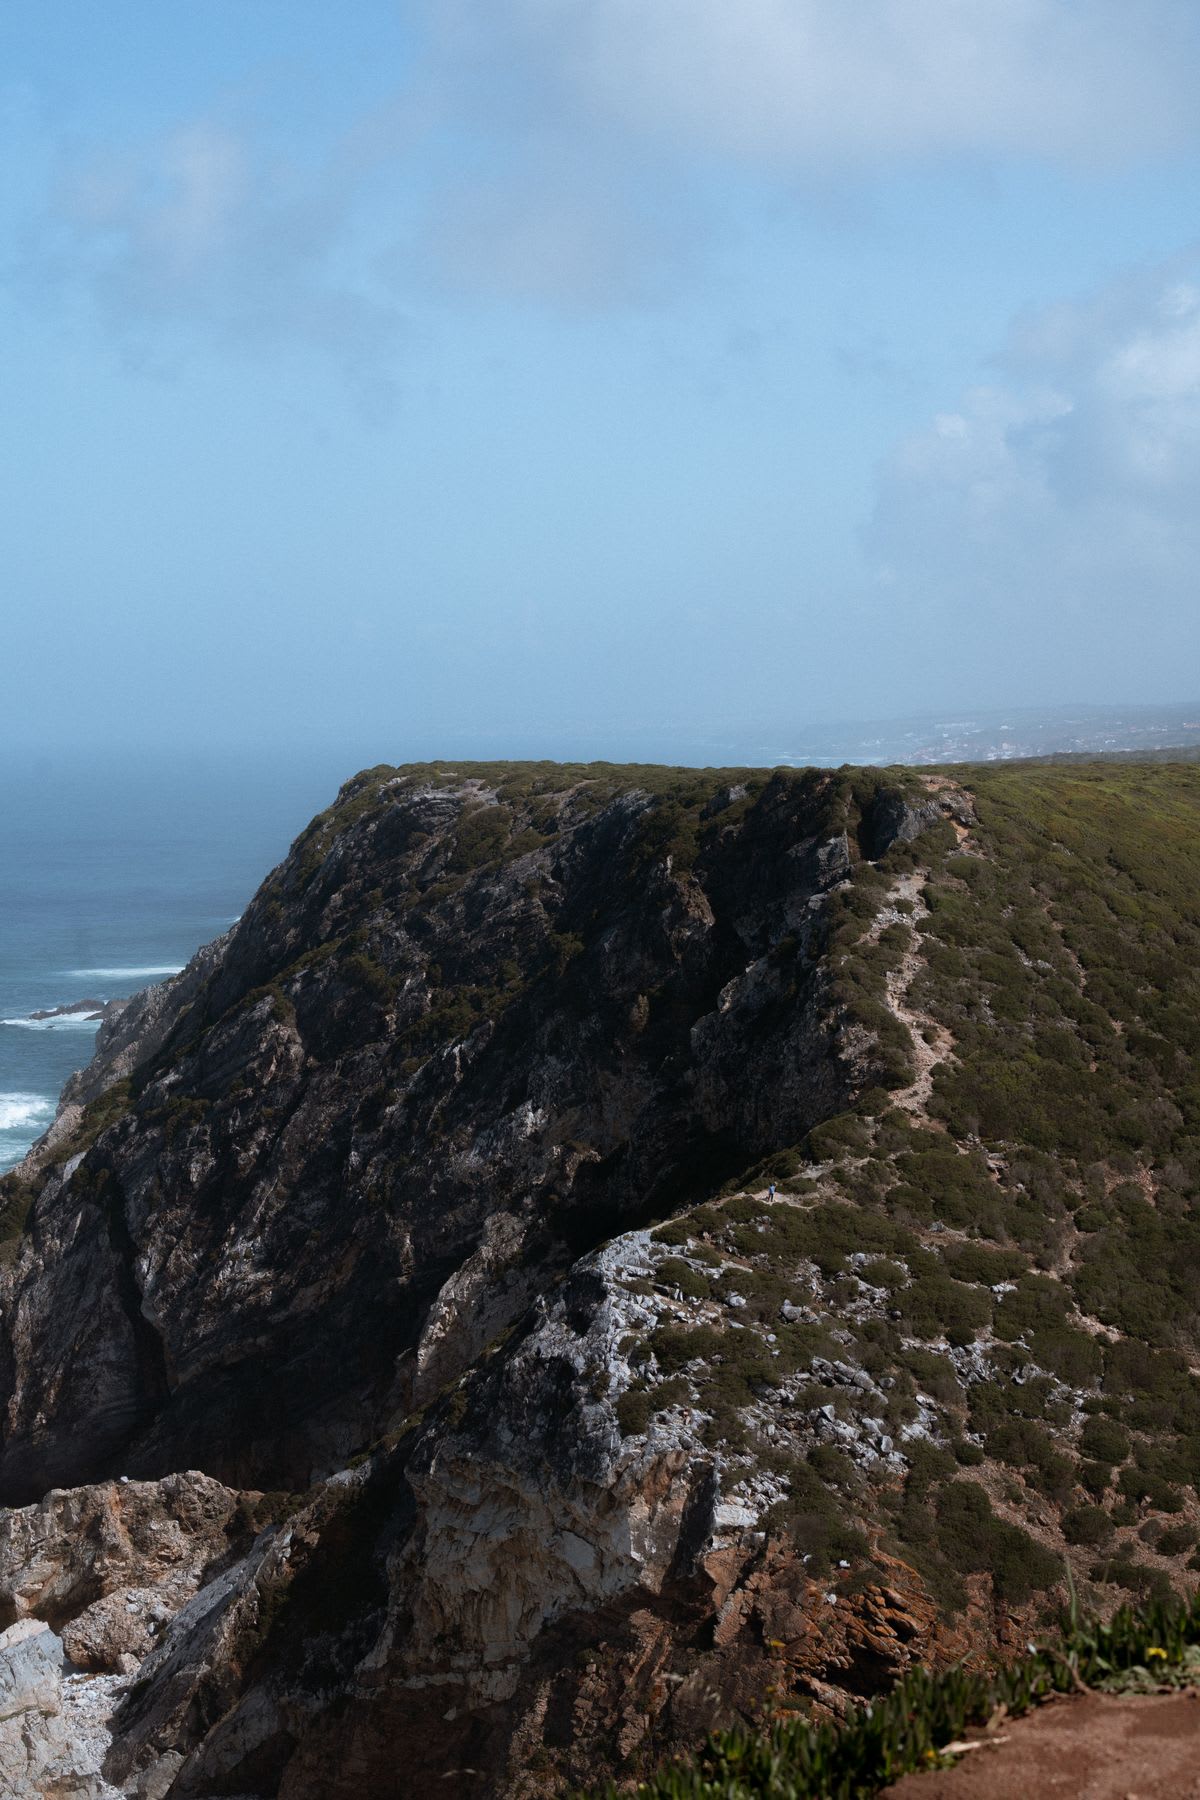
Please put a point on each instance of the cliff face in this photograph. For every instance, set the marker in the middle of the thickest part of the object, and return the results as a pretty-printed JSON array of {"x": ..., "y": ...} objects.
[
  {"x": 438, "y": 1200},
  {"x": 466, "y": 1032},
  {"x": 452, "y": 1043}
]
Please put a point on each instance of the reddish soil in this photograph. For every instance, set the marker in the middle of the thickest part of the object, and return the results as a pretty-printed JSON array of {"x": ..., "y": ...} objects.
[{"x": 1097, "y": 1747}]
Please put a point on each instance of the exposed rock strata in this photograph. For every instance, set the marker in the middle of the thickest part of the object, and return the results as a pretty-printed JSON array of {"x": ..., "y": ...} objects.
[
  {"x": 107, "y": 1566},
  {"x": 343, "y": 1187},
  {"x": 53, "y": 1726},
  {"x": 521, "y": 1572},
  {"x": 385, "y": 1053}
]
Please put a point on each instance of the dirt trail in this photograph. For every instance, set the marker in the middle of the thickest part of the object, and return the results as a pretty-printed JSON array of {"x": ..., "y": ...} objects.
[
  {"x": 926, "y": 1056},
  {"x": 1096, "y": 1747}
]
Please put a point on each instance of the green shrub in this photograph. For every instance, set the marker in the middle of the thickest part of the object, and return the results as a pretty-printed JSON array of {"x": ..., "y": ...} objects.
[
  {"x": 675, "y": 1347},
  {"x": 1072, "y": 1355},
  {"x": 1140, "y": 1485},
  {"x": 1120, "y": 1571},
  {"x": 836, "y": 1137},
  {"x": 638, "y": 1405},
  {"x": 934, "y": 1304},
  {"x": 1086, "y": 1525},
  {"x": 982, "y": 1264},
  {"x": 480, "y": 838},
  {"x": 17, "y": 1196},
  {"x": 674, "y": 1231},
  {"x": 882, "y": 1272},
  {"x": 370, "y": 977},
  {"x": 972, "y": 1538},
  {"x": 814, "y": 1521},
  {"x": 673, "y": 1272},
  {"x": 905, "y": 1730},
  {"x": 1096, "y": 1477},
  {"x": 634, "y": 1409},
  {"x": 1103, "y": 1440},
  {"x": 935, "y": 1373}
]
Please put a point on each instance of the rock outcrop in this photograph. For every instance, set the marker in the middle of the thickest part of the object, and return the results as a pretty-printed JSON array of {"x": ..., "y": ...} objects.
[
  {"x": 90, "y": 1579},
  {"x": 521, "y": 1582},
  {"x": 453, "y": 1042},
  {"x": 437, "y": 1201},
  {"x": 107, "y": 1566}
]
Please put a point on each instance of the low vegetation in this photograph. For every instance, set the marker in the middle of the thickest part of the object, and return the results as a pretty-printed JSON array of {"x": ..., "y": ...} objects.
[
  {"x": 1144, "y": 1650},
  {"x": 963, "y": 1331}
]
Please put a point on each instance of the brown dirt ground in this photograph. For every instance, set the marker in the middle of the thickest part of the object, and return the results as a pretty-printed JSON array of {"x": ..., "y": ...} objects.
[{"x": 1096, "y": 1747}]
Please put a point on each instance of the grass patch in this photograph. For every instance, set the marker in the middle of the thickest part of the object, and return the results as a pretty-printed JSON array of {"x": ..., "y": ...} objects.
[{"x": 1155, "y": 1645}]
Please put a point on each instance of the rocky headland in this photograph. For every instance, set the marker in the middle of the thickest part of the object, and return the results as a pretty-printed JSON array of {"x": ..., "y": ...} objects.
[{"x": 554, "y": 1278}]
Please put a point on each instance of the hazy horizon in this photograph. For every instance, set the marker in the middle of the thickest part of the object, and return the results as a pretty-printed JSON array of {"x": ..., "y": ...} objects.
[{"x": 985, "y": 734}]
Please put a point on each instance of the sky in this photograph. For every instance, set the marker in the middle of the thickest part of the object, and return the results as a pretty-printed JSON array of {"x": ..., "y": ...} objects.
[{"x": 540, "y": 371}]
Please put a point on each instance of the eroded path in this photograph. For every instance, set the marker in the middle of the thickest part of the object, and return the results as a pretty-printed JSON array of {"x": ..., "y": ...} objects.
[
  {"x": 931, "y": 1043},
  {"x": 1096, "y": 1747}
]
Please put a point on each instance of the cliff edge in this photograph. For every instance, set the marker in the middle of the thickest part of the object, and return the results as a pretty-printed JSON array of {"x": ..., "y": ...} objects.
[{"x": 584, "y": 1227}]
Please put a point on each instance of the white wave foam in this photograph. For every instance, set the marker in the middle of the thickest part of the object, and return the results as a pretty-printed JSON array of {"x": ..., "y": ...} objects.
[
  {"x": 64, "y": 1022},
  {"x": 123, "y": 974},
  {"x": 18, "y": 1110}
]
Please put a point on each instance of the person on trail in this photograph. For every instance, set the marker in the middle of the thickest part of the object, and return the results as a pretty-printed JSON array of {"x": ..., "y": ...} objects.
[{"x": 771, "y": 1191}]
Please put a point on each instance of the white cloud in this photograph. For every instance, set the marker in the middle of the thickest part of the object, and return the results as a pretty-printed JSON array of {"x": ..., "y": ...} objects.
[
  {"x": 202, "y": 234},
  {"x": 172, "y": 210},
  {"x": 594, "y": 125},
  {"x": 553, "y": 226},
  {"x": 558, "y": 151},
  {"x": 803, "y": 85},
  {"x": 1057, "y": 508}
]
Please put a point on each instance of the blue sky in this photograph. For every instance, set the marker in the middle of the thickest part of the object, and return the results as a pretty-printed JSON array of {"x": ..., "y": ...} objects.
[{"x": 399, "y": 373}]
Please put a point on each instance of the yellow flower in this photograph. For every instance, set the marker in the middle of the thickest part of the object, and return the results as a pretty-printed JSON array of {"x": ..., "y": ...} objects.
[{"x": 1154, "y": 1650}]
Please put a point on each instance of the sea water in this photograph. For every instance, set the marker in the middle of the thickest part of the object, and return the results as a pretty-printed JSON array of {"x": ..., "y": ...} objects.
[
  {"x": 113, "y": 871},
  {"x": 115, "y": 867}
]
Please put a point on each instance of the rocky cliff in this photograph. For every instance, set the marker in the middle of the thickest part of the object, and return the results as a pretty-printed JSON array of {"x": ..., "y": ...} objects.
[
  {"x": 453, "y": 1042},
  {"x": 550, "y": 1222}
]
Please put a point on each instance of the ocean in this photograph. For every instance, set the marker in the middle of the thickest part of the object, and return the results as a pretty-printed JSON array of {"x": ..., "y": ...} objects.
[
  {"x": 113, "y": 871},
  {"x": 115, "y": 867}
]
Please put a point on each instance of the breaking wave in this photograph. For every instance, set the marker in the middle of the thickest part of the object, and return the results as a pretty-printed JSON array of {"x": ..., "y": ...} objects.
[
  {"x": 64, "y": 1022},
  {"x": 144, "y": 974},
  {"x": 19, "y": 1111}
]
